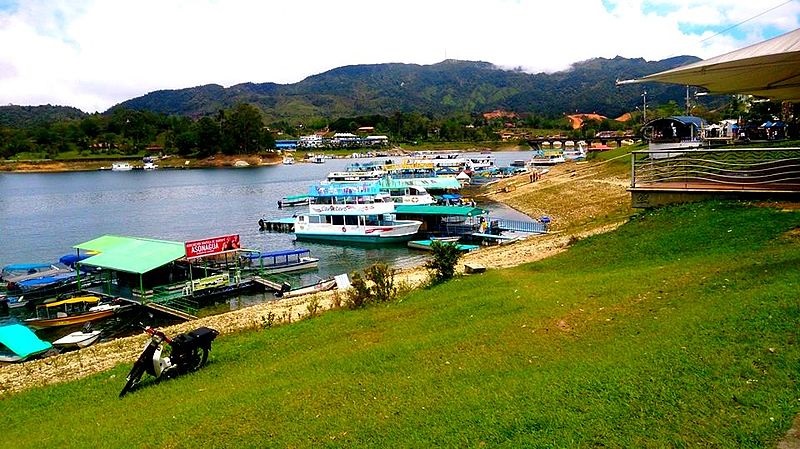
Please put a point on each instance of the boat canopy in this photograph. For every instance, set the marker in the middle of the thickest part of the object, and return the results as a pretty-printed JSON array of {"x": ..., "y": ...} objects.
[
  {"x": 25, "y": 266},
  {"x": 47, "y": 279},
  {"x": 21, "y": 340},
  {"x": 75, "y": 300},
  {"x": 345, "y": 189},
  {"x": 432, "y": 183},
  {"x": 767, "y": 69},
  {"x": 458, "y": 211},
  {"x": 131, "y": 254},
  {"x": 282, "y": 253},
  {"x": 295, "y": 197}
]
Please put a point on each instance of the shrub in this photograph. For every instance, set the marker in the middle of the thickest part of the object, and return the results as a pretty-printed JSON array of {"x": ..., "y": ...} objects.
[
  {"x": 313, "y": 307},
  {"x": 382, "y": 277},
  {"x": 268, "y": 321},
  {"x": 442, "y": 264},
  {"x": 376, "y": 284}
]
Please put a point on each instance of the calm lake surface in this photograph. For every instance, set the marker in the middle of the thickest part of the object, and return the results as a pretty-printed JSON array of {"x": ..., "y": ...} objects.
[{"x": 42, "y": 215}]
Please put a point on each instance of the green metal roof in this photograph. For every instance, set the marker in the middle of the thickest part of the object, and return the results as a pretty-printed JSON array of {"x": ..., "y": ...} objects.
[
  {"x": 461, "y": 211},
  {"x": 131, "y": 254}
]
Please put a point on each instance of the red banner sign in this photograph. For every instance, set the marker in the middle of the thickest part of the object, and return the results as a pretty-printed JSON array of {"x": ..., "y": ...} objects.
[{"x": 209, "y": 247}]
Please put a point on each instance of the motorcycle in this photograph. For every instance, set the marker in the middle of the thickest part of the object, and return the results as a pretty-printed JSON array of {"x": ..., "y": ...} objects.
[{"x": 188, "y": 352}]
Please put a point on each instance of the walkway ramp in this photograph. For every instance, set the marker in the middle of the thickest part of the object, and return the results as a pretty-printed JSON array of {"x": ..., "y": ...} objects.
[
  {"x": 534, "y": 227},
  {"x": 170, "y": 311},
  {"x": 272, "y": 285}
]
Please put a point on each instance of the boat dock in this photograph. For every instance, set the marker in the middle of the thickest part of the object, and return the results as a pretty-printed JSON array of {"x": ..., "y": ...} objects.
[{"x": 277, "y": 224}]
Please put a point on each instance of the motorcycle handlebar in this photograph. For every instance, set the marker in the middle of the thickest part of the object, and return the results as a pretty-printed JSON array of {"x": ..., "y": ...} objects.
[{"x": 153, "y": 331}]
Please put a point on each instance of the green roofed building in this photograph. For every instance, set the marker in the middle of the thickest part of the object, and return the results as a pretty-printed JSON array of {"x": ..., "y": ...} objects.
[
  {"x": 131, "y": 254},
  {"x": 132, "y": 263}
]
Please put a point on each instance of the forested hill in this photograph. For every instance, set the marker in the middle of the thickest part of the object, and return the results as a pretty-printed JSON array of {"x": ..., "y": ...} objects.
[
  {"x": 449, "y": 87},
  {"x": 26, "y": 116}
]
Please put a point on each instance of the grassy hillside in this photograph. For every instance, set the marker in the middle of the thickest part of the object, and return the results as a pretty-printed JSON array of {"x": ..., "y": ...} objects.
[{"x": 678, "y": 329}]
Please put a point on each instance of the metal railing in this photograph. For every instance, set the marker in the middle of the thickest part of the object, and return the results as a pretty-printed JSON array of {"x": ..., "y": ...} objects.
[{"x": 728, "y": 169}]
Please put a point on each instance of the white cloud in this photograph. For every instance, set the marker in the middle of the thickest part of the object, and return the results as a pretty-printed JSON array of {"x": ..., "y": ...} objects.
[{"x": 94, "y": 54}]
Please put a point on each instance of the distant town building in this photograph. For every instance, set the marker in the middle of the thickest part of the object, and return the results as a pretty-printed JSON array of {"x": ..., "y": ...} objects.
[
  {"x": 286, "y": 144},
  {"x": 373, "y": 141},
  {"x": 311, "y": 141}
]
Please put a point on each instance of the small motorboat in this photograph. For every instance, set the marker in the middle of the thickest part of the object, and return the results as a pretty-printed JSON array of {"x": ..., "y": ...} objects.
[
  {"x": 13, "y": 302},
  {"x": 321, "y": 286},
  {"x": 18, "y": 343},
  {"x": 81, "y": 309},
  {"x": 121, "y": 166},
  {"x": 294, "y": 200},
  {"x": 78, "y": 339}
]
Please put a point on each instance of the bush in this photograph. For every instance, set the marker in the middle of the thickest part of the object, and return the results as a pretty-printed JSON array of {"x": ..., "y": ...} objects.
[
  {"x": 442, "y": 264},
  {"x": 376, "y": 284}
]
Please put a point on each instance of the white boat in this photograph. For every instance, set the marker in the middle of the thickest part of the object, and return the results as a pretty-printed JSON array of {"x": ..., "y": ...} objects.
[
  {"x": 575, "y": 154},
  {"x": 13, "y": 302},
  {"x": 149, "y": 166},
  {"x": 480, "y": 162},
  {"x": 294, "y": 200},
  {"x": 121, "y": 166},
  {"x": 315, "y": 158},
  {"x": 410, "y": 195},
  {"x": 288, "y": 160},
  {"x": 357, "y": 173},
  {"x": 281, "y": 261},
  {"x": 78, "y": 339},
  {"x": 352, "y": 212},
  {"x": 547, "y": 158},
  {"x": 321, "y": 286}
]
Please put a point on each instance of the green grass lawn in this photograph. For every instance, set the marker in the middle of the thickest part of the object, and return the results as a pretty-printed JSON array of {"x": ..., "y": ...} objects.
[{"x": 677, "y": 330}]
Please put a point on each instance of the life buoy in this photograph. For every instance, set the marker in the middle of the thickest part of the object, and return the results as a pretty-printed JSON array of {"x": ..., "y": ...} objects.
[
  {"x": 344, "y": 229},
  {"x": 414, "y": 199}
]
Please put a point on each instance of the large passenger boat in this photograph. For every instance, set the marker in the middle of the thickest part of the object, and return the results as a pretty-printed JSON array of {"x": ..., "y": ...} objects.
[{"x": 353, "y": 212}]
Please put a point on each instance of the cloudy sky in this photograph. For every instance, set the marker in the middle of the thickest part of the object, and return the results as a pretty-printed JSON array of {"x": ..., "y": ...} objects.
[{"x": 93, "y": 54}]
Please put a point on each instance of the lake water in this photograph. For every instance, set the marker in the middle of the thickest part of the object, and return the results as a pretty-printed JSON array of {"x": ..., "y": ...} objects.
[{"x": 43, "y": 214}]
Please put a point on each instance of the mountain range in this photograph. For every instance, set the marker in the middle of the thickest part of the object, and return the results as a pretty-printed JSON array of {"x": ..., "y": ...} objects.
[{"x": 446, "y": 88}]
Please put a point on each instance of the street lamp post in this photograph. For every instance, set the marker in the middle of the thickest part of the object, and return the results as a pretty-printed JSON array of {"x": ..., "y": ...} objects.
[{"x": 644, "y": 106}]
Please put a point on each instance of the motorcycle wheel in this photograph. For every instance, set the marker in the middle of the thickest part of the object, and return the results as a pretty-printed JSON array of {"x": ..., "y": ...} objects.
[
  {"x": 133, "y": 378},
  {"x": 197, "y": 358}
]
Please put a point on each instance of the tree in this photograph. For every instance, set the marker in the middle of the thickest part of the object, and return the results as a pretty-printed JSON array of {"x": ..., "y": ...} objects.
[
  {"x": 208, "y": 135},
  {"x": 185, "y": 142},
  {"x": 243, "y": 130}
]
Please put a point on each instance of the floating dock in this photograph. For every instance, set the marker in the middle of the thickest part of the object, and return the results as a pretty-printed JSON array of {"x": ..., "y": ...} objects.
[{"x": 426, "y": 245}]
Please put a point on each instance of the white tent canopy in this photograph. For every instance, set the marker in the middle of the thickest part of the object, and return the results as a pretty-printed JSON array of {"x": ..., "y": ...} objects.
[{"x": 768, "y": 69}]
